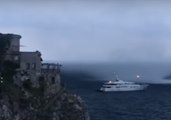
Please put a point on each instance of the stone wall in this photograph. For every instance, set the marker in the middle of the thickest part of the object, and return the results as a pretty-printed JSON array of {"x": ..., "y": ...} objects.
[{"x": 30, "y": 61}]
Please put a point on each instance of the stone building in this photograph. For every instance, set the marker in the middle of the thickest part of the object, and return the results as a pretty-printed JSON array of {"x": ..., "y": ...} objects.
[
  {"x": 31, "y": 62},
  {"x": 30, "y": 65},
  {"x": 13, "y": 49},
  {"x": 51, "y": 73}
]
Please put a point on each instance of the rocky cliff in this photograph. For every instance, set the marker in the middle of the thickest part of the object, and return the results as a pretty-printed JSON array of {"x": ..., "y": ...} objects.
[
  {"x": 60, "y": 106},
  {"x": 23, "y": 101}
]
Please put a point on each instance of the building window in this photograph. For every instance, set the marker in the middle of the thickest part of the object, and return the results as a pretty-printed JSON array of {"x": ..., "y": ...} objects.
[
  {"x": 27, "y": 66},
  {"x": 33, "y": 66},
  {"x": 16, "y": 58}
]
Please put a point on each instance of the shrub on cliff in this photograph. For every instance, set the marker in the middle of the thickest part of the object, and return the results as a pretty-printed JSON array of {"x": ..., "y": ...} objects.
[{"x": 5, "y": 41}]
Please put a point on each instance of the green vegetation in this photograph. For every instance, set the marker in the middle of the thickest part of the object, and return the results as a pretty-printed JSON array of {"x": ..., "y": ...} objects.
[
  {"x": 5, "y": 41},
  {"x": 7, "y": 68}
]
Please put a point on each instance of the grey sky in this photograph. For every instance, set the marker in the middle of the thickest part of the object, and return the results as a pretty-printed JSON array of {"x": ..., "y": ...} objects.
[{"x": 93, "y": 30}]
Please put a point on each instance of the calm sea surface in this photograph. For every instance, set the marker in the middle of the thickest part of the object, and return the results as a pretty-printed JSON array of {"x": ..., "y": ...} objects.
[{"x": 154, "y": 103}]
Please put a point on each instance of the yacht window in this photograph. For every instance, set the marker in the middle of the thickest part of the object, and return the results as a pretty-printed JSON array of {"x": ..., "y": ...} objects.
[
  {"x": 107, "y": 87},
  {"x": 112, "y": 84}
]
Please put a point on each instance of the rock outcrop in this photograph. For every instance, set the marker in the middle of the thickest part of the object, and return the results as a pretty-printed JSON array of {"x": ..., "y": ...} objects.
[{"x": 60, "y": 106}]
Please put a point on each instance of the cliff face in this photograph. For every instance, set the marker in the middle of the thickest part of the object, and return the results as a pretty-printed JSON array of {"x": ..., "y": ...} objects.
[
  {"x": 27, "y": 102},
  {"x": 61, "y": 106}
]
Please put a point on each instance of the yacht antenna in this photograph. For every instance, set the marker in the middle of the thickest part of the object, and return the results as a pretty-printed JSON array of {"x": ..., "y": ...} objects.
[{"x": 116, "y": 77}]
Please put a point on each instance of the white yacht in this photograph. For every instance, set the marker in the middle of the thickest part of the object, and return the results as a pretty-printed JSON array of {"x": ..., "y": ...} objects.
[{"x": 120, "y": 85}]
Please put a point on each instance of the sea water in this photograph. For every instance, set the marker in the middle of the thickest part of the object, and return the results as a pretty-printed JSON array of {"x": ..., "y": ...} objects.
[{"x": 153, "y": 103}]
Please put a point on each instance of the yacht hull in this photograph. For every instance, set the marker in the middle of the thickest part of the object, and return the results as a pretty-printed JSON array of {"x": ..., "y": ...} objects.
[{"x": 123, "y": 88}]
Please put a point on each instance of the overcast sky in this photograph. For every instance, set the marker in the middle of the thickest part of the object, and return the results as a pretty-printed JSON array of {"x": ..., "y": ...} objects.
[{"x": 91, "y": 30}]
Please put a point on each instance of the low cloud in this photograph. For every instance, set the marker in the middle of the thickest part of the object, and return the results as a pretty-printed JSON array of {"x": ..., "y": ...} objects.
[{"x": 91, "y": 30}]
